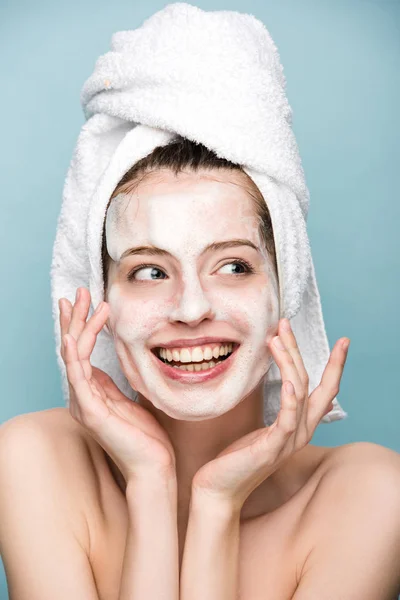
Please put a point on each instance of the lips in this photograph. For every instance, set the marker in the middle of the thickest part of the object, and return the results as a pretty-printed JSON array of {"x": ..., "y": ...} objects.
[
  {"x": 182, "y": 343},
  {"x": 174, "y": 362},
  {"x": 156, "y": 352},
  {"x": 195, "y": 376}
]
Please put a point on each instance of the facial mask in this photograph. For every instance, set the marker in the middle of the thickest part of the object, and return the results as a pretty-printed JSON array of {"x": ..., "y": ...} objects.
[{"x": 193, "y": 294}]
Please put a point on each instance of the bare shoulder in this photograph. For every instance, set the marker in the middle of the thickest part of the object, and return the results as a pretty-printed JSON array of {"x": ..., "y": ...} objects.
[
  {"x": 350, "y": 471},
  {"x": 66, "y": 436},
  {"x": 52, "y": 420},
  {"x": 360, "y": 454},
  {"x": 361, "y": 474},
  {"x": 355, "y": 507},
  {"x": 65, "y": 450}
]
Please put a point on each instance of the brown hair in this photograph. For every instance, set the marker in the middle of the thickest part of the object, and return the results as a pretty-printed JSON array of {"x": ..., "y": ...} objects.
[{"x": 178, "y": 155}]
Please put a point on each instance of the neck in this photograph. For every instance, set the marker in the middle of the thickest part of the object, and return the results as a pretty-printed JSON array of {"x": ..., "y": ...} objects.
[{"x": 196, "y": 443}]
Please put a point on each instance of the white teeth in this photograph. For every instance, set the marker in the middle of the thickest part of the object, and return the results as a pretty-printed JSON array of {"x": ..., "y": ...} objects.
[
  {"x": 185, "y": 356},
  {"x": 197, "y": 355},
  {"x": 207, "y": 354},
  {"x": 197, "y": 367},
  {"x": 194, "y": 355}
]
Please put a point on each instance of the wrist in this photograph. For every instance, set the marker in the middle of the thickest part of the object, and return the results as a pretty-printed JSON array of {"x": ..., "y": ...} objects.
[
  {"x": 156, "y": 481},
  {"x": 214, "y": 505}
]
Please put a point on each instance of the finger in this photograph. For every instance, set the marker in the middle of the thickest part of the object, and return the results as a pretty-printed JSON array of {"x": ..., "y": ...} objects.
[
  {"x": 287, "y": 335},
  {"x": 288, "y": 370},
  {"x": 110, "y": 388},
  {"x": 322, "y": 396},
  {"x": 281, "y": 432},
  {"x": 93, "y": 326},
  {"x": 289, "y": 339},
  {"x": 330, "y": 407},
  {"x": 76, "y": 376},
  {"x": 79, "y": 312},
  {"x": 288, "y": 417},
  {"x": 106, "y": 382},
  {"x": 65, "y": 308}
]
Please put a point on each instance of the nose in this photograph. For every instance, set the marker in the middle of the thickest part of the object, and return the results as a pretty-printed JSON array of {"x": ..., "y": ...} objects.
[{"x": 192, "y": 305}]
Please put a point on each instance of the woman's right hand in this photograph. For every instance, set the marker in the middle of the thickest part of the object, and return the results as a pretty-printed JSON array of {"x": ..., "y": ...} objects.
[{"x": 129, "y": 433}]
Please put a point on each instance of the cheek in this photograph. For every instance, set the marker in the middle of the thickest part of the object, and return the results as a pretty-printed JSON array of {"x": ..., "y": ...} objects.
[
  {"x": 135, "y": 318},
  {"x": 252, "y": 309}
]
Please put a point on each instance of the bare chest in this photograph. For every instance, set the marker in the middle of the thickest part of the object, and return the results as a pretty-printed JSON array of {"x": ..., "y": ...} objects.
[
  {"x": 267, "y": 569},
  {"x": 272, "y": 550}
]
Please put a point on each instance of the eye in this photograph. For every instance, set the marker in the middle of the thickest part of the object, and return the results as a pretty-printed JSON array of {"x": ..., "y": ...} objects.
[
  {"x": 243, "y": 263},
  {"x": 153, "y": 271}
]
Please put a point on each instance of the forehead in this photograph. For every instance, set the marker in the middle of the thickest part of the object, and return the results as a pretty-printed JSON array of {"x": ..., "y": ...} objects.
[{"x": 168, "y": 209}]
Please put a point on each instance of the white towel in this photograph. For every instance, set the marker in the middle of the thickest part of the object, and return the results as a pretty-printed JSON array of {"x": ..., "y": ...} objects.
[{"x": 214, "y": 77}]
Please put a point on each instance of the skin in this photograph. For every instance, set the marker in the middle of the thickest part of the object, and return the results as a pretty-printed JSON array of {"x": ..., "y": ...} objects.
[
  {"x": 201, "y": 295},
  {"x": 197, "y": 296},
  {"x": 134, "y": 437},
  {"x": 205, "y": 444}
]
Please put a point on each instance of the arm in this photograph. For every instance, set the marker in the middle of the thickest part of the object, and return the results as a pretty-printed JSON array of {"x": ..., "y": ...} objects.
[
  {"x": 211, "y": 553},
  {"x": 41, "y": 539},
  {"x": 139, "y": 446},
  {"x": 212, "y": 561},
  {"x": 150, "y": 568}
]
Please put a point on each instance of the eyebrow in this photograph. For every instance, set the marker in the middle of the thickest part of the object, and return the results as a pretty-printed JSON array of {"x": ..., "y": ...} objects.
[{"x": 154, "y": 251}]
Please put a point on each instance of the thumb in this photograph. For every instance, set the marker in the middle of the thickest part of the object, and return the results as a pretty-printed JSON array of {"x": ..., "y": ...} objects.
[{"x": 107, "y": 383}]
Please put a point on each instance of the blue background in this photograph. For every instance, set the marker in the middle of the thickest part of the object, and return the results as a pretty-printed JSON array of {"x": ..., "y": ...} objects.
[{"x": 341, "y": 61}]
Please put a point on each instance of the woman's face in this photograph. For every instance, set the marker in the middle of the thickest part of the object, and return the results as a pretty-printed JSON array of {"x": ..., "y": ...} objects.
[{"x": 189, "y": 291}]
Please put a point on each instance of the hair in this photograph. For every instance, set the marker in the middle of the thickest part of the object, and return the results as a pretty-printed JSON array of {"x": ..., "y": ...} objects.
[{"x": 179, "y": 155}]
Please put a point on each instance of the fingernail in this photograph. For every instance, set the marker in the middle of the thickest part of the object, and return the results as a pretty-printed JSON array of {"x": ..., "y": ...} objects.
[
  {"x": 345, "y": 344},
  {"x": 77, "y": 295},
  {"x": 278, "y": 343},
  {"x": 289, "y": 387},
  {"x": 286, "y": 324}
]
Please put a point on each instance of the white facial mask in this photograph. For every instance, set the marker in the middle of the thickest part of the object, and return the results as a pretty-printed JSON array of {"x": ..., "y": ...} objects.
[{"x": 193, "y": 296}]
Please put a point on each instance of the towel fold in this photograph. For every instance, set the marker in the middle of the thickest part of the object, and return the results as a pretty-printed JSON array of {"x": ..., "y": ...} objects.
[{"x": 214, "y": 77}]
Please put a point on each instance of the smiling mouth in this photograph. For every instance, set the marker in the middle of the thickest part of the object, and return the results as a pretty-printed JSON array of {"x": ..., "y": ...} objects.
[{"x": 195, "y": 366}]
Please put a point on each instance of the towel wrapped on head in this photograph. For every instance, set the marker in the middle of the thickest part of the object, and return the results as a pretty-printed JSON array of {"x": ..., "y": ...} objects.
[{"x": 213, "y": 77}]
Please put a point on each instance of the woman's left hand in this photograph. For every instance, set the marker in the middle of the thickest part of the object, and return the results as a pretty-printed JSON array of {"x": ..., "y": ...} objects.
[{"x": 244, "y": 465}]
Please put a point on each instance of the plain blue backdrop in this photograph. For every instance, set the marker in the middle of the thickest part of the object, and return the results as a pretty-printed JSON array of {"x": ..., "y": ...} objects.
[{"x": 341, "y": 61}]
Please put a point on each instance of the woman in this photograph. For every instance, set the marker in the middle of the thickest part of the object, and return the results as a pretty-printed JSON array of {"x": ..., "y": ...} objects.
[
  {"x": 218, "y": 503},
  {"x": 185, "y": 493}
]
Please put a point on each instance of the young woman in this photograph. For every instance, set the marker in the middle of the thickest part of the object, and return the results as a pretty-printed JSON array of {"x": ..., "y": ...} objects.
[{"x": 186, "y": 494}]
